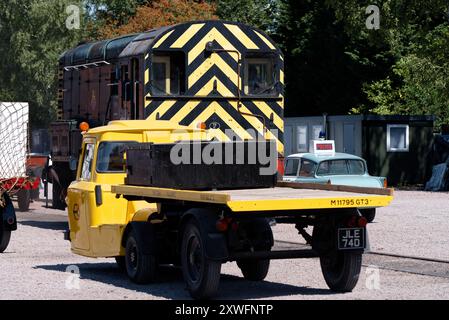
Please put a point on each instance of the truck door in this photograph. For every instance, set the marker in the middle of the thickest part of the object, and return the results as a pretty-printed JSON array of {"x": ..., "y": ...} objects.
[{"x": 79, "y": 195}]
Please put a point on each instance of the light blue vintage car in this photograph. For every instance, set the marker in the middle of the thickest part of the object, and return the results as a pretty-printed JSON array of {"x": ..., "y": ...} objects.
[{"x": 337, "y": 169}]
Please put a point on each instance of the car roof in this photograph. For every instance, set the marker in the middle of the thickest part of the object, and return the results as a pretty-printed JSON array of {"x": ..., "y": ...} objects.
[{"x": 315, "y": 158}]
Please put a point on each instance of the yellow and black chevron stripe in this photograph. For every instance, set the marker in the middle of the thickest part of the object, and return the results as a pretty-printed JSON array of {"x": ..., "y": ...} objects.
[{"x": 212, "y": 88}]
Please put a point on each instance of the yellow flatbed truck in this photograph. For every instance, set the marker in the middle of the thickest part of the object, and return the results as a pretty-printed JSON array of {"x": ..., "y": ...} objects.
[{"x": 144, "y": 227}]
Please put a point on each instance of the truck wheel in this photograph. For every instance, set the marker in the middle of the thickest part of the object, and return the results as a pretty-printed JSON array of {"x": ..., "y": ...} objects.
[
  {"x": 5, "y": 236},
  {"x": 254, "y": 270},
  {"x": 121, "y": 263},
  {"x": 140, "y": 267},
  {"x": 201, "y": 274},
  {"x": 341, "y": 271},
  {"x": 57, "y": 203},
  {"x": 24, "y": 199},
  {"x": 369, "y": 214}
]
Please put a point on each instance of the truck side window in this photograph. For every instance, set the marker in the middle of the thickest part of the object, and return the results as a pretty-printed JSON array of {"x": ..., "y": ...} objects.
[
  {"x": 86, "y": 169},
  {"x": 260, "y": 77},
  {"x": 110, "y": 157},
  {"x": 168, "y": 74}
]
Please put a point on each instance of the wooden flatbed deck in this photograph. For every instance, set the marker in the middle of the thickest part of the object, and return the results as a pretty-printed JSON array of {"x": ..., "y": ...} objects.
[{"x": 284, "y": 197}]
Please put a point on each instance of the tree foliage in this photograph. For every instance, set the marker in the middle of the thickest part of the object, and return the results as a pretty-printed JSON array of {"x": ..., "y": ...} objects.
[
  {"x": 33, "y": 35},
  {"x": 334, "y": 63},
  {"x": 156, "y": 14},
  {"x": 257, "y": 13},
  {"x": 416, "y": 35}
]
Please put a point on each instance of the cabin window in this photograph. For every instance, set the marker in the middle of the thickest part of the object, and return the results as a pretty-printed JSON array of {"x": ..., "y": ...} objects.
[
  {"x": 260, "y": 77},
  {"x": 302, "y": 138},
  {"x": 86, "y": 169},
  {"x": 111, "y": 157},
  {"x": 168, "y": 74},
  {"x": 397, "y": 138}
]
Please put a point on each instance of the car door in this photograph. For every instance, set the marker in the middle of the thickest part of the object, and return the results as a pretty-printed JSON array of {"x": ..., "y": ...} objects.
[{"x": 78, "y": 199}]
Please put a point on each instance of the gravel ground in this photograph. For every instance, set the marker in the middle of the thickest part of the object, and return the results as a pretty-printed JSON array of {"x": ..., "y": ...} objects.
[
  {"x": 36, "y": 263},
  {"x": 415, "y": 224}
]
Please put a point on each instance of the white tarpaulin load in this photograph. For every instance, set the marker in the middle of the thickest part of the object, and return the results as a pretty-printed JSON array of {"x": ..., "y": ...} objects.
[{"x": 13, "y": 139}]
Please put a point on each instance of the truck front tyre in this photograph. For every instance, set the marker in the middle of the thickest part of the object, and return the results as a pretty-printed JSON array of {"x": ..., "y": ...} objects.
[
  {"x": 24, "y": 200},
  {"x": 254, "y": 270},
  {"x": 5, "y": 236},
  {"x": 201, "y": 274},
  {"x": 341, "y": 270},
  {"x": 140, "y": 267}
]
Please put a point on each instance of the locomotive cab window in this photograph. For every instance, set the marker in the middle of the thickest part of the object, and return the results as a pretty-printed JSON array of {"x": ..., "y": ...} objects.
[
  {"x": 260, "y": 77},
  {"x": 168, "y": 74}
]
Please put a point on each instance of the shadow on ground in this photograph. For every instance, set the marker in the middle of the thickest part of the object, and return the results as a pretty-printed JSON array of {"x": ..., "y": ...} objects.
[
  {"x": 49, "y": 225},
  {"x": 171, "y": 284}
]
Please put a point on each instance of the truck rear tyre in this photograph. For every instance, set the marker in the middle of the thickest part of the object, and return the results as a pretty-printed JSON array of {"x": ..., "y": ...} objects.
[
  {"x": 341, "y": 271},
  {"x": 5, "y": 236},
  {"x": 254, "y": 270},
  {"x": 369, "y": 214},
  {"x": 140, "y": 267},
  {"x": 201, "y": 274},
  {"x": 24, "y": 200}
]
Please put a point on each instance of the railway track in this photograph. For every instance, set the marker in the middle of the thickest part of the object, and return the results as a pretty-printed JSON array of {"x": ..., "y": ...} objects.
[{"x": 390, "y": 261}]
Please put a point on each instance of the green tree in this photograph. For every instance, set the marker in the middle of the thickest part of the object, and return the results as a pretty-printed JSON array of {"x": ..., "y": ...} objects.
[
  {"x": 257, "y": 13},
  {"x": 33, "y": 35},
  {"x": 415, "y": 34},
  {"x": 327, "y": 63}
]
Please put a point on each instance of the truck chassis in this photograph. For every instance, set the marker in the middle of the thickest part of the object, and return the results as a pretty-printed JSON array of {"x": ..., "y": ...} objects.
[{"x": 200, "y": 231}]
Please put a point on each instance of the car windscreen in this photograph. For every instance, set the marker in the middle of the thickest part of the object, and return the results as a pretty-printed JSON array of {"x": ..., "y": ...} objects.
[
  {"x": 291, "y": 167},
  {"x": 341, "y": 167},
  {"x": 110, "y": 156}
]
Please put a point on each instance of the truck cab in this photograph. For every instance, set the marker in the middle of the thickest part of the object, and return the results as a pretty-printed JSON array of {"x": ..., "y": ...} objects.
[{"x": 97, "y": 218}]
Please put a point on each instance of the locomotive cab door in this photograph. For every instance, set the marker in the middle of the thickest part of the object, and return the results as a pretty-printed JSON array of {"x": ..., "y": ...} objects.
[
  {"x": 131, "y": 89},
  {"x": 125, "y": 92},
  {"x": 136, "y": 105}
]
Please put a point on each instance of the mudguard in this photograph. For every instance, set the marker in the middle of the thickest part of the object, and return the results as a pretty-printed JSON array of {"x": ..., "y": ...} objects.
[
  {"x": 7, "y": 213},
  {"x": 215, "y": 242}
]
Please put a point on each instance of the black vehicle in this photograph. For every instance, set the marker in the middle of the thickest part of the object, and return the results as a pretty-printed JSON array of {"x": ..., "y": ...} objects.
[{"x": 8, "y": 221}]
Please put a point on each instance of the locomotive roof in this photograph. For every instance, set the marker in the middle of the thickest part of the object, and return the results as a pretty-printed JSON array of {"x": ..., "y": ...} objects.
[
  {"x": 109, "y": 50},
  {"x": 125, "y": 46}
]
